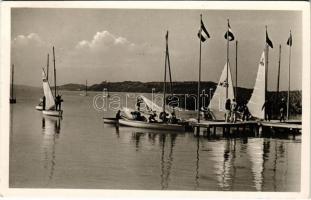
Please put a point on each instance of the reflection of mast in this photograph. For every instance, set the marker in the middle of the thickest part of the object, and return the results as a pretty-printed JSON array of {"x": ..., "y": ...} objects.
[
  {"x": 197, "y": 183},
  {"x": 50, "y": 130},
  {"x": 166, "y": 165}
]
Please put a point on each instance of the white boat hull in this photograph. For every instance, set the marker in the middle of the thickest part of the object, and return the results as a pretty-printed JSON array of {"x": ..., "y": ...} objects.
[
  {"x": 56, "y": 113},
  {"x": 110, "y": 120},
  {"x": 147, "y": 125},
  {"x": 39, "y": 108}
]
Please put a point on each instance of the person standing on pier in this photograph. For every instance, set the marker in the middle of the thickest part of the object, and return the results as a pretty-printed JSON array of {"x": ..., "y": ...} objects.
[
  {"x": 228, "y": 110},
  {"x": 268, "y": 108},
  {"x": 234, "y": 106},
  {"x": 282, "y": 110}
]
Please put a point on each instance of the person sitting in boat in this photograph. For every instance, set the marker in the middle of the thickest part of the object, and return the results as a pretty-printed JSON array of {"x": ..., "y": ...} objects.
[
  {"x": 58, "y": 102},
  {"x": 163, "y": 116},
  {"x": 173, "y": 118},
  {"x": 43, "y": 102},
  {"x": 152, "y": 117},
  {"x": 118, "y": 115},
  {"x": 228, "y": 110}
]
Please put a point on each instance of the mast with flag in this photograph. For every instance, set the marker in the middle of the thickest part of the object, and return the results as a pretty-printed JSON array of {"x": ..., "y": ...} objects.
[
  {"x": 229, "y": 37},
  {"x": 268, "y": 44},
  {"x": 289, "y": 43},
  {"x": 203, "y": 36}
]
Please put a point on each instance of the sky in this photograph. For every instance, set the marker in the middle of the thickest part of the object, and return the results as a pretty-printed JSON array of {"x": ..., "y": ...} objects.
[{"x": 129, "y": 44}]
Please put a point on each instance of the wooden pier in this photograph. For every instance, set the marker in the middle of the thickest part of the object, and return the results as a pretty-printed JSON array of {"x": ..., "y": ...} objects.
[{"x": 240, "y": 127}]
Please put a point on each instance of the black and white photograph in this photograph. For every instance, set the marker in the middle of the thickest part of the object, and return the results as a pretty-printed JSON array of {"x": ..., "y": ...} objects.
[{"x": 195, "y": 97}]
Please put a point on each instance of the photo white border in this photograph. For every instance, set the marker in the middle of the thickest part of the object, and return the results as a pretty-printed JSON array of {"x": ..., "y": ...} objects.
[{"x": 5, "y": 50}]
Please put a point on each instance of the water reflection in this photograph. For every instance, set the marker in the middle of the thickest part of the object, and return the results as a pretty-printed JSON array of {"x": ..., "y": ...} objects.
[
  {"x": 197, "y": 182},
  {"x": 166, "y": 163},
  {"x": 51, "y": 127},
  {"x": 136, "y": 137}
]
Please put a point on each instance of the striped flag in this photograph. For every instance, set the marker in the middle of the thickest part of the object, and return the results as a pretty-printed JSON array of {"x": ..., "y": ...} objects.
[
  {"x": 268, "y": 41},
  {"x": 203, "y": 32},
  {"x": 290, "y": 39},
  {"x": 229, "y": 33}
]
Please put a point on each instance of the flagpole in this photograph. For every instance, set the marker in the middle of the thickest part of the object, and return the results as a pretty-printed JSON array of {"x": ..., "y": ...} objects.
[
  {"x": 278, "y": 82},
  {"x": 288, "y": 92},
  {"x": 198, "y": 97},
  {"x": 236, "y": 71},
  {"x": 266, "y": 71},
  {"x": 227, "y": 82}
]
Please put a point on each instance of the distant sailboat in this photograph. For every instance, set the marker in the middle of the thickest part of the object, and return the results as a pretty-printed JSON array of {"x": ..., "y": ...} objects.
[
  {"x": 258, "y": 96},
  {"x": 12, "y": 99},
  {"x": 217, "y": 103},
  {"x": 85, "y": 94}
]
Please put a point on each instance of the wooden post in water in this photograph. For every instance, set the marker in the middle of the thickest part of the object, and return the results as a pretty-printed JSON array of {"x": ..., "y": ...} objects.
[{"x": 85, "y": 87}]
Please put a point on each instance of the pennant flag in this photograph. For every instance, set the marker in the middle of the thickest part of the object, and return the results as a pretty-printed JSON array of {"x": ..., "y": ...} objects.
[
  {"x": 290, "y": 40},
  {"x": 229, "y": 33},
  {"x": 268, "y": 41},
  {"x": 204, "y": 33}
]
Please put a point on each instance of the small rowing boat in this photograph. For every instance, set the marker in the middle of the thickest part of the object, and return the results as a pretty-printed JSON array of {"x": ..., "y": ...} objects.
[{"x": 153, "y": 125}]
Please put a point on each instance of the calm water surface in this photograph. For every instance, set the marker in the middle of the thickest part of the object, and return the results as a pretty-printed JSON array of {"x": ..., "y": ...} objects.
[{"x": 80, "y": 151}]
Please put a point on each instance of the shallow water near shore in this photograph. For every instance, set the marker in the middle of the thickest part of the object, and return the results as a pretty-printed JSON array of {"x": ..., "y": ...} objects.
[{"x": 80, "y": 151}]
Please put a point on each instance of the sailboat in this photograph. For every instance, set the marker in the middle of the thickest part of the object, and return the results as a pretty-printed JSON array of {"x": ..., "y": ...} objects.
[
  {"x": 258, "y": 96},
  {"x": 12, "y": 99},
  {"x": 217, "y": 103},
  {"x": 40, "y": 105},
  {"x": 50, "y": 105},
  {"x": 85, "y": 90},
  {"x": 128, "y": 120}
]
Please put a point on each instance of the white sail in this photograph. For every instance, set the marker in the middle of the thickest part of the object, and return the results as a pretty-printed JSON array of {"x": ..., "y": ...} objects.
[
  {"x": 151, "y": 105},
  {"x": 49, "y": 98},
  {"x": 258, "y": 97},
  {"x": 217, "y": 104}
]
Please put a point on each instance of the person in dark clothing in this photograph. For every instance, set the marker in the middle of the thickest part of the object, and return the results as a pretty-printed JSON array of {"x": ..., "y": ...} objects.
[
  {"x": 228, "y": 110},
  {"x": 58, "y": 102},
  {"x": 152, "y": 117},
  {"x": 163, "y": 116},
  {"x": 173, "y": 119},
  {"x": 43, "y": 102},
  {"x": 138, "y": 102},
  {"x": 282, "y": 110},
  {"x": 245, "y": 113},
  {"x": 118, "y": 115},
  {"x": 267, "y": 106}
]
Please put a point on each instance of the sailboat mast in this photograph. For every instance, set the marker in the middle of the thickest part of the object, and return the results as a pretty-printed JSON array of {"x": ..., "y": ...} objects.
[
  {"x": 288, "y": 92},
  {"x": 12, "y": 83},
  {"x": 47, "y": 68},
  {"x": 54, "y": 73},
  {"x": 199, "y": 82},
  {"x": 278, "y": 82},
  {"x": 227, "y": 84},
  {"x": 164, "y": 83},
  {"x": 236, "y": 71}
]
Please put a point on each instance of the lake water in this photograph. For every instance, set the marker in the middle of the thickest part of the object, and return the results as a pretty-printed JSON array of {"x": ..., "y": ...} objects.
[{"x": 80, "y": 151}]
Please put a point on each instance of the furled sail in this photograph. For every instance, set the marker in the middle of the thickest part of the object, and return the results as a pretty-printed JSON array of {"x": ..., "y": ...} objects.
[
  {"x": 217, "y": 104},
  {"x": 258, "y": 97},
  {"x": 49, "y": 98}
]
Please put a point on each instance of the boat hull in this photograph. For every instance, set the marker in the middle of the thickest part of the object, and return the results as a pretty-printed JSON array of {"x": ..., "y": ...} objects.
[
  {"x": 12, "y": 101},
  {"x": 56, "y": 113},
  {"x": 110, "y": 120},
  {"x": 39, "y": 108},
  {"x": 147, "y": 125}
]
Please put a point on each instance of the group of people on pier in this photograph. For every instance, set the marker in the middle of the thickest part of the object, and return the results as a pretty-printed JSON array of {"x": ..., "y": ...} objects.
[{"x": 268, "y": 106}]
